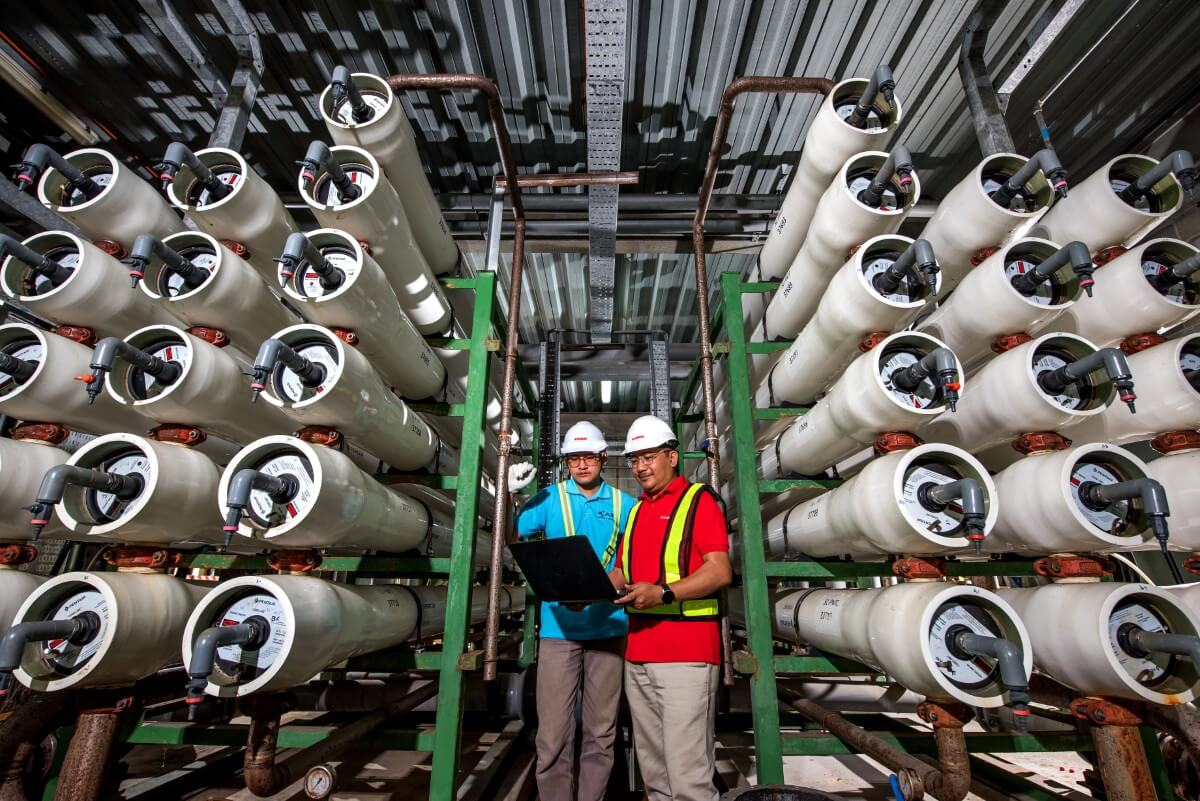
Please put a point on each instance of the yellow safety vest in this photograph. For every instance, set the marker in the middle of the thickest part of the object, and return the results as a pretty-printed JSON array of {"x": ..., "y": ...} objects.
[
  {"x": 564, "y": 503},
  {"x": 675, "y": 552}
]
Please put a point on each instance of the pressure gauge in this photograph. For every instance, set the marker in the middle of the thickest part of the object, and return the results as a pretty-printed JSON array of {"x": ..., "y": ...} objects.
[
  {"x": 105, "y": 507},
  {"x": 320, "y": 781},
  {"x": 244, "y": 662},
  {"x": 101, "y": 174},
  {"x": 141, "y": 385},
  {"x": 965, "y": 670},
  {"x": 27, "y": 349},
  {"x": 199, "y": 195},
  {"x": 909, "y": 289},
  {"x": 1147, "y": 669},
  {"x": 308, "y": 283},
  {"x": 1022, "y": 201},
  {"x": 264, "y": 511},
  {"x": 945, "y": 522},
  {"x": 1119, "y": 181},
  {"x": 1048, "y": 292},
  {"x": 924, "y": 396},
  {"x": 1074, "y": 396},
  {"x": 326, "y": 192},
  {"x": 171, "y": 283},
  {"x": 288, "y": 386},
  {"x": 35, "y": 283},
  {"x": 875, "y": 115},
  {"x": 376, "y": 101},
  {"x": 63, "y": 656},
  {"x": 857, "y": 182},
  {"x": 1156, "y": 263},
  {"x": 1114, "y": 518}
]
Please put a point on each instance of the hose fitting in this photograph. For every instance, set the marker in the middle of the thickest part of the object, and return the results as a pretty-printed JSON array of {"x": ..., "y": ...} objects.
[
  {"x": 1074, "y": 254},
  {"x": 251, "y": 635},
  {"x": 20, "y": 369},
  {"x": 1139, "y": 642},
  {"x": 1176, "y": 274},
  {"x": 35, "y": 261},
  {"x": 125, "y": 486},
  {"x": 280, "y": 489},
  {"x": 969, "y": 493},
  {"x": 1153, "y": 496},
  {"x": 918, "y": 260},
  {"x": 147, "y": 246},
  {"x": 299, "y": 250},
  {"x": 1045, "y": 160},
  {"x": 179, "y": 154},
  {"x": 1180, "y": 162},
  {"x": 343, "y": 89},
  {"x": 1111, "y": 360},
  {"x": 318, "y": 156},
  {"x": 899, "y": 165},
  {"x": 1008, "y": 660},
  {"x": 105, "y": 356},
  {"x": 78, "y": 630},
  {"x": 939, "y": 361},
  {"x": 38, "y": 157},
  {"x": 270, "y": 354},
  {"x": 880, "y": 82}
]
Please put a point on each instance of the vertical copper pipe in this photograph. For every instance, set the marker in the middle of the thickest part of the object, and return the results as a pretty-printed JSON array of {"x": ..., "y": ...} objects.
[
  {"x": 1122, "y": 762},
  {"x": 88, "y": 755},
  {"x": 750, "y": 83},
  {"x": 488, "y": 89}
]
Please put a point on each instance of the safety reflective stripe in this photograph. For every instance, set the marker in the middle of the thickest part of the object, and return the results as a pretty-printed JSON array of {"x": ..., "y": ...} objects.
[
  {"x": 564, "y": 505},
  {"x": 676, "y": 549}
]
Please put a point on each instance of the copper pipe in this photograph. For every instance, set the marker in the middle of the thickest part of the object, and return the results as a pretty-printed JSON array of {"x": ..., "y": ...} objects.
[
  {"x": 558, "y": 179},
  {"x": 487, "y": 87},
  {"x": 950, "y": 780},
  {"x": 265, "y": 777},
  {"x": 13, "y": 788},
  {"x": 500, "y": 513},
  {"x": 1122, "y": 762},
  {"x": 743, "y": 85},
  {"x": 88, "y": 756}
]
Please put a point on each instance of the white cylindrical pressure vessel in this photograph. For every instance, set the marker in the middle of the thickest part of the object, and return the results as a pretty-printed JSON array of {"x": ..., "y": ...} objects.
[
  {"x": 881, "y": 510},
  {"x": 1078, "y": 636},
  {"x": 1042, "y": 512},
  {"x": 458, "y": 368},
  {"x": 376, "y": 217},
  {"x": 174, "y": 506},
  {"x": 365, "y": 304},
  {"x": 862, "y": 404},
  {"x": 233, "y": 298},
  {"x": 141, "y": 618},
  {"x": 1168, "y": 388},
  {"x": 904, "y": 630},
  {"x": 336, "y": 504},
  {"x": 210, "y": 393},
  {"x": 1126, "y": 303},
  {"x": 829, "y": 142},
  {"x": 968, "y": 220},
  {"x": 388, "y": 136},
  {"x": 1177, "y": 473},
  {"x": 987, "y": 306},
  {"x": 841, "y": 222},
  {"x": 52, "y": 390},
  {"x": 251, "y": 214},
  {"x": 126, "y": 206},
  {"x": 15, "y": 587},
  {"x": 22, "y": 465},
  {"x": 314, "y": 624},
  {"x": 1006, "y": 400},
  {"x": 95, "y": 295},
  {"x": 850, "y": 309},
  {"x": 1094, "y": 212},
  {"x": 353, "y": 399}
]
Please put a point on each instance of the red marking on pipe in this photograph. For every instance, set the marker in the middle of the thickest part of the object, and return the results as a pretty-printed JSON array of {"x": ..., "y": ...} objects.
[
  {"x": 229, "y": 622},
  {"x": 167, "y": 177},
  {"x": 40, "y": 522},
  {"x": 229, "y": 528},
  {"x": 258, "y": 387},
  {"x": 193, "y": 699},
  {"x": 1058, "y": 184},
  {"x": 954, "y": 385},
  {"x": 307, "y": 176},
  {"x": 55, "y": 643},
  {"x": 24, "y": 179},
  {"x": 1075, "y": 482},
  {"x": 292, "y": 511},
  {"x": 320, "y": 390}
]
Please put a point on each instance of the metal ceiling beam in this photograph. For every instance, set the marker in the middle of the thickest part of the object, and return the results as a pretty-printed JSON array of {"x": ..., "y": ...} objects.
[
  {"x": 238, "y": 102},
  {"x": 990, "y": 126}
]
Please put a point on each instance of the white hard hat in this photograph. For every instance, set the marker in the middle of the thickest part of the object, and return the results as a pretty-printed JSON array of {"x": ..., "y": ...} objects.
[
  {"x": 583, "y": 437},
  {"x": 648, "y": 432}
]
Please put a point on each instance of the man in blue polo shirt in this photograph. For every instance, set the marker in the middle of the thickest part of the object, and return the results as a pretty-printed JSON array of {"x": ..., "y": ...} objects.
[{"x": 584, "y": 641}]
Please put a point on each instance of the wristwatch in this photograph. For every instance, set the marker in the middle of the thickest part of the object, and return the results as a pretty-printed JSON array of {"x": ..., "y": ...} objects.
[{"x": 668, "y": 595}]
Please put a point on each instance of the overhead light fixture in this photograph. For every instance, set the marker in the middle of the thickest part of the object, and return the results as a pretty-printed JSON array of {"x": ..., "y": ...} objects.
[{"x": 606, "y": 391}]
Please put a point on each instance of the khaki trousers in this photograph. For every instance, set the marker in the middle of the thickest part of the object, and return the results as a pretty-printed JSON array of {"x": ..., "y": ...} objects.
[
  {"x": 560, "y": 663},
  {"x": 673, "y": 705}
]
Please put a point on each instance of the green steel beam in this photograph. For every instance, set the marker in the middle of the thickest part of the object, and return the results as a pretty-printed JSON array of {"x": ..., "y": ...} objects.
[
  {"x": 529, "y": 642},
  {"x": 440, "y": 409},
  {"x": 1158, "y": 768},
  {"x": 767, "y": 486},
  {"x": 767, "y": 746},
  {"x": 767, "y": 347},
  {"x": 448, "y": 723},
  {"x": 459, "y": 282},
  {"x": 921, "y": 742},
  {"x": 841, "y": 571},
  {"x": 365, "y": 566},
  {"x": 290, "y": 736},
  {"x": 819, "y": 664},
  {"x": 758, "y": 287},
  {"x": 776, "y": 412}
]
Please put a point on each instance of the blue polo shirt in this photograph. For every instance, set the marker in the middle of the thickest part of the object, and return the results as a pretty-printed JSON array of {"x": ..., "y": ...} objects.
[{"x": 593, "y": 518}]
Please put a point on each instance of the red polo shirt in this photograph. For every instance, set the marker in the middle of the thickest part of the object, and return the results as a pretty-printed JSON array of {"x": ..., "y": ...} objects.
[{"x": 655, "y": 640}]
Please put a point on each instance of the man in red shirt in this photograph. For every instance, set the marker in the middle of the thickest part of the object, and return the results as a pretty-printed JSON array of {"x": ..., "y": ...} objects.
[{"x": 673, "y": 559}]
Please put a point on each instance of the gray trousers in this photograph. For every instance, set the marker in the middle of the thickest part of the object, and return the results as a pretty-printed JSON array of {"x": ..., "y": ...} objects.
[
  {"x": 560, "y": 663},
  {"x": 673, "y": 705}
]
